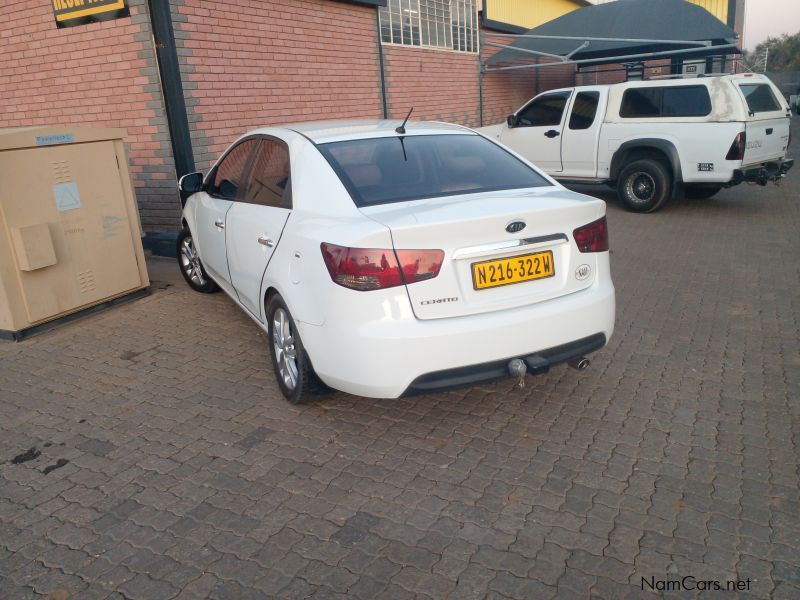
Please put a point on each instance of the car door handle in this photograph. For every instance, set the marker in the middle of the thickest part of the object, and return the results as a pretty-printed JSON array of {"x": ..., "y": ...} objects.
[
  {"x": 265, "y": 241},
  {"x": 220, "y": 223},
  {"x": 552, "y": 133},
  {"x": 769, "y": 131}
]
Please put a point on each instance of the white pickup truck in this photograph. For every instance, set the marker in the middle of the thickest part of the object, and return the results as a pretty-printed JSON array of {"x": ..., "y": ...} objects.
[{"x": 654, "y": 139}]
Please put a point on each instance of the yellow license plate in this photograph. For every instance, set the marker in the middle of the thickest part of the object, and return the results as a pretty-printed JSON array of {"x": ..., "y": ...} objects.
[{"x": 516, "y": 269}]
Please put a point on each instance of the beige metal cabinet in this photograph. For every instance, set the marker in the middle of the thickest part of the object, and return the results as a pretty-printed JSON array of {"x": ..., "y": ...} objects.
[{"x": 70, "y": 236}]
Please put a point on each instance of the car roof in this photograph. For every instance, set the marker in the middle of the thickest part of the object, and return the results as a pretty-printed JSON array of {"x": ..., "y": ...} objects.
[{"x": 322, "y": 132}]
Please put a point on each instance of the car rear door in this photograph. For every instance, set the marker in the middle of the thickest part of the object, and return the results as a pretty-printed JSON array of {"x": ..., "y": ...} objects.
[
  {"x": 223, "y": 188},
  {"x": 256, "y": 220},
  {"x": 581, "y": 133},
  {"x": 537, "y": 133},
  {"x": 767, "y": 125}
]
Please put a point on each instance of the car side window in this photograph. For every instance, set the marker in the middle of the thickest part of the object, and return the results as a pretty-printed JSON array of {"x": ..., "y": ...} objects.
[
  {"x": 229, "y": 174},
  {"x": 584, "y": 110},
  {"x": 269, "y": 181},
  {"x": 544, "y": 111}
]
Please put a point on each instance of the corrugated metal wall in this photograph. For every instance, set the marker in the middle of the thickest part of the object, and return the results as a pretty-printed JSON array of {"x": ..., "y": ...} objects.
[
  {"x": 528, "y": 13},
  {"x": 718, "y": 8}
]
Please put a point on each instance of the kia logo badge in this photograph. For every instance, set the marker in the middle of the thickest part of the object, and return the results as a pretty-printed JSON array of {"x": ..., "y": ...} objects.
[{"x": 515, "y": 226}]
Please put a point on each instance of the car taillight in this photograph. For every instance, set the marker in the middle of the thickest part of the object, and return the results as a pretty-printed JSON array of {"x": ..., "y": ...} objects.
[
  {"x": 592, "y": 237},
  {"x": 737, "y": 147},
  {"x": 365, "y": 269},
  {"x": 419, "y": 265}
]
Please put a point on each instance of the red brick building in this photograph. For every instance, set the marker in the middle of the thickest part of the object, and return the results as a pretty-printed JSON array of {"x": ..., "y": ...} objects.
[{"x": 187, "y": 80}]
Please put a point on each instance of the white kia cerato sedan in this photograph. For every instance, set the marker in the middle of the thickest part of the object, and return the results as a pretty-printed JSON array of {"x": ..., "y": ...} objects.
[{"x": 385, "y": 260}]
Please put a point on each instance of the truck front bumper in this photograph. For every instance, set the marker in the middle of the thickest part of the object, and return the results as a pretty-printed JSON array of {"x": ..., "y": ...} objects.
[{"x": 763, "y": 174}]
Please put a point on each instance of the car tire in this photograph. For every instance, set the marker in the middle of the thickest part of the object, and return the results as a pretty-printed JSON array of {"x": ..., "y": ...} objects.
[
  {"x": 701, "y": 192},
  {"x": 644, "y": 186},
  {"x": 290, "y": 363},
  {"x": 191, "y": 266}
]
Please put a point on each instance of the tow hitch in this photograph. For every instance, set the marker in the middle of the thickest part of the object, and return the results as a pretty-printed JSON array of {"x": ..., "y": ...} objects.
[{"x": 772, "y": 171}]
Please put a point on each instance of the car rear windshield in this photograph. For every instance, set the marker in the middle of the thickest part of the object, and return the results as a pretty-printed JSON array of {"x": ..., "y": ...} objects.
[
  {"x": 404, "y": 168},
  {"x": 759, "y": 97}
]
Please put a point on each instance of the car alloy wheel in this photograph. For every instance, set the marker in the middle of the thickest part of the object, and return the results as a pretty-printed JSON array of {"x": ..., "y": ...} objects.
[
  {"x": 191, "y": 266},
  {"x": 190, "y": 263},
  {"x": 284, "y": 346}
]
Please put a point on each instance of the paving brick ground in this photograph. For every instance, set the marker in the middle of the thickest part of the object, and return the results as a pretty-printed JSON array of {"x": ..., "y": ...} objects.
[{"x": 675, "y": 455}]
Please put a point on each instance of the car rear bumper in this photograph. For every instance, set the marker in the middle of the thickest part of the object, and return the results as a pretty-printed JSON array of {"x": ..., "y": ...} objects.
[
  {"x": 390, "y": 357},
  {"x": 763, "y": 174},
  {"x": 537, "y": 364}
]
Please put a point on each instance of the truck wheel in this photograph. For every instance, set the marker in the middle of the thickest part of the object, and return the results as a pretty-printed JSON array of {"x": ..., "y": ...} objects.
[
  {"x": 701, "y": 192},
  {"x": 644, "y": 186}
]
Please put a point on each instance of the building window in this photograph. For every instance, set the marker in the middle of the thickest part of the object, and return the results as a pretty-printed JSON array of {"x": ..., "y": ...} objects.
[{"x": 446, "y": 24}]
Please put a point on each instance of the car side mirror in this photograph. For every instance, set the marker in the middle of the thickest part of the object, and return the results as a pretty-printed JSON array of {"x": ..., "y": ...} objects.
[
  {"x": 191, "y": 183},
  {"x": 512, "y": 121}
]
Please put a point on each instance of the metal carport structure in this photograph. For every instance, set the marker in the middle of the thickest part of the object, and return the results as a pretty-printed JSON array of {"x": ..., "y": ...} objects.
[{"x": 610, "y": 33}]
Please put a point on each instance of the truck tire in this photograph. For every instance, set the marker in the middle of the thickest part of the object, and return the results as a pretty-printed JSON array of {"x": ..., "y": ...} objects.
[
  {"x": 644, "y": 185},
  {"x": 701, "y": 192}
]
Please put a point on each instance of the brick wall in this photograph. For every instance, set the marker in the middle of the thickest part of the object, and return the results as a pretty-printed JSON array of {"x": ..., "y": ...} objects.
[
  {"x": 441, "y": 85},
  {"x": 248, "y": 64},
  {"x": 244, "y": 64},
  {"x": 101, "y": 74},
  {"x": 506, "y": 91},
  {"x": 444, "y": 85}
]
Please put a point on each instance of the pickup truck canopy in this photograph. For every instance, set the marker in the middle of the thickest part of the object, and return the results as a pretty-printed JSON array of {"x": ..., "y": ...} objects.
[{"x": 610, "y": 32}]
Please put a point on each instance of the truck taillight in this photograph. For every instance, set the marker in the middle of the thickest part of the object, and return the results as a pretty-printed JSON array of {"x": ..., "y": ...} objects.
[
  {"x": 366, "y": 269},
  {"x": 738, "y": 147},
  {"x": 592, "y": 237}
]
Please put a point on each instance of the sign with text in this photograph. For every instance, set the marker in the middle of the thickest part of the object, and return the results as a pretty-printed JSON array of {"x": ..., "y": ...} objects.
[{"x": 80, "y": 12}]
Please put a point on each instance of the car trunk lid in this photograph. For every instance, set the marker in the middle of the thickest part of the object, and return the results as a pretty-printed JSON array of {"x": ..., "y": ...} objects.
[{"x": 472, "y": 229}]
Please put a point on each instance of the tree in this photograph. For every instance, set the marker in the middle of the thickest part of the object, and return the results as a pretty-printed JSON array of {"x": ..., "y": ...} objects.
[{"x": 784, "y": 54}]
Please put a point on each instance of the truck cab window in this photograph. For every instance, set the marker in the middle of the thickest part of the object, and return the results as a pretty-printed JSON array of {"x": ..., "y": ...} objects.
[
  {"x": 584, "y": 110},
  {"x": 544, "y": 111}
]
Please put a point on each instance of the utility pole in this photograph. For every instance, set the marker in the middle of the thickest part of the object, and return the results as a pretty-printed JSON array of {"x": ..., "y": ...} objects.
[{"x": 766, "y": 59}]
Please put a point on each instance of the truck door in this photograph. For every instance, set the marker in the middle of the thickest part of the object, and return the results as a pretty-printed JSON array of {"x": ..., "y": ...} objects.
[
  {"x": 536, "y": 130},
  {"x": 580, "y": 136}
]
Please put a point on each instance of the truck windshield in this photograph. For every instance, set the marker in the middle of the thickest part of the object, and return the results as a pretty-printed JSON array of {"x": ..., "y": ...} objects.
[{"x": 413, "y": 167}]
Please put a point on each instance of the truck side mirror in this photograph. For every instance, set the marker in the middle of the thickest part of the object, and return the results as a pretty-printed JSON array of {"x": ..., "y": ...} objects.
[
  {"x": 191, "y": 183},
  {"x": 512, "y": 121}
]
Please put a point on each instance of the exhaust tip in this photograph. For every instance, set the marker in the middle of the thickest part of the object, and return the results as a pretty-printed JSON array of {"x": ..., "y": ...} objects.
[{"x": 580, "y": 364}]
